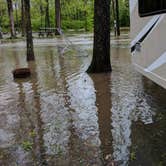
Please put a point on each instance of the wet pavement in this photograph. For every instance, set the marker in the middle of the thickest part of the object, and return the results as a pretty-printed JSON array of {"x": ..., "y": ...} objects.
[{"x": 61, "y": 116}]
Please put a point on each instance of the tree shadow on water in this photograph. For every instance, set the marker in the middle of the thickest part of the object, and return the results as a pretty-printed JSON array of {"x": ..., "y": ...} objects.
[{"x": 30, "y": 134}]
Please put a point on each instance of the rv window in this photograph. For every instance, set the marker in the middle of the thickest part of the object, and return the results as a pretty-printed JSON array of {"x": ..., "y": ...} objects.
[{"x": 151, "y": 7}]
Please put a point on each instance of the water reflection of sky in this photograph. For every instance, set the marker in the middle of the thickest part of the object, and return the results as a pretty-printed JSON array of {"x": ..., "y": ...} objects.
[
  {"x": 129, "y": 105},
  {"x": 76, "y": 117}
]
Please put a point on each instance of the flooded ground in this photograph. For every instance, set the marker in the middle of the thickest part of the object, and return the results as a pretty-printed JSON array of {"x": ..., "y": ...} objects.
[{"x": 62, "y": 116}]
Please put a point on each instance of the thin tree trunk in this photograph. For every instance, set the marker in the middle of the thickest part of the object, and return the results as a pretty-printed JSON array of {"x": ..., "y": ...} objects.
[
  {"x": 101, "y": 47},
  {"x": 58, "y": 14},
  {"x": 23, "y": 18},
  {"x": 1, "y": 36},
  {"x": 30, "y": 51},
  {"x": 41, "y": 14},
  {"x": 1, "y": 15},
  {"x": 47, "y": 16},
  {"x": 114, "y": 16},
  {"x": 85, "y": 15},
  {"x": 11, "y": 18},
  {"x": 16, "y": 9},
  {"x": 117, "y": 18}
]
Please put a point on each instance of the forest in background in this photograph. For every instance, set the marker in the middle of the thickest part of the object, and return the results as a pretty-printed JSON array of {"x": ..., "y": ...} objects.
[{"x": 75, "y": 14}]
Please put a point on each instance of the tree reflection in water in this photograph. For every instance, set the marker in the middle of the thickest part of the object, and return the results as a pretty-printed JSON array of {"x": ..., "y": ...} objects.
[{"x": 31, "y": 125}]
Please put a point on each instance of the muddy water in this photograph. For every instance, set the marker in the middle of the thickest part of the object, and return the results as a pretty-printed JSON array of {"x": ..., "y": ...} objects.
[{"x": 62, "y": 116}]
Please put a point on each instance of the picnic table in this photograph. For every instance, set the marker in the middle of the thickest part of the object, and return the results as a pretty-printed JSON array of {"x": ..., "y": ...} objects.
[{"x": 48, "y": 31}]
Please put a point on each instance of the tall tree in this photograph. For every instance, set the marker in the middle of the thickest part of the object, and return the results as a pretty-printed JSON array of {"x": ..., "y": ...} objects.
[
  {"x": 58, "y": 14},
  {"x": 41, "y": 13},
  {"x": 30, "y": 51},
  {"x": 117, "y": 18},
  {"x": 11, "y": 18},
  {"x": 101, "y": 47},
  {"x": 85, "y": 14},
  {"x": 114, "y": 16},
  {"x": 47, "y": 14},
  {"x": 23, "y": 18},
  {"x": 16, "y": 17},
  {"x": 1, "y": 37}
]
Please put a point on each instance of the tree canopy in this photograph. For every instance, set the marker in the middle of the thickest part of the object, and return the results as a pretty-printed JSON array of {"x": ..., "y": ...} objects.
[{"x": 76, "y": 14}]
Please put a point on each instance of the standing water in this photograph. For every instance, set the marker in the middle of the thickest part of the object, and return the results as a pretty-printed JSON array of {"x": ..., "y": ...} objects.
[{"x": 61, "y": 116}]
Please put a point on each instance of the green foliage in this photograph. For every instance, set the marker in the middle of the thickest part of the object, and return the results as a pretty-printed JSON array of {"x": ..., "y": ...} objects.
[
  {"x": 133, "y": 153},
  {"x": 124, "y": 13},
  {"x": 132, "y": 156},
  {"x": 76, "y": 14},
  {"x": 3, "y": 15},
  {"x": 74, "y": 24},
  {"x": 27, "y": 145}
]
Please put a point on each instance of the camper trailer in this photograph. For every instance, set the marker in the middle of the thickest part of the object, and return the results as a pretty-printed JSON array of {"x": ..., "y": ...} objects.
[{"x": 148, "y": 38}]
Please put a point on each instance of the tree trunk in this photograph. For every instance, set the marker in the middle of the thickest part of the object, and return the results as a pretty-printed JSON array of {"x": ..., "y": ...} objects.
[
  {"x": 1, "y": 18},
  {"x": 47, "y": 15},
  {"x": 30, "y": 51},
  {"x": 16, "y": 12},
  {"x": 1, "y": 37},
  {"x": 101, "y": 47},
  {"x": 23, "y": 18},
  {"x": 85, "y": 16},
  {"x": 114, "y": 17},
  {"x": 11, "y": 18},
  {"x": 41, "y": 14},
  {"x": 117, "y": 18},
  {"x": 58, "y": 14}
]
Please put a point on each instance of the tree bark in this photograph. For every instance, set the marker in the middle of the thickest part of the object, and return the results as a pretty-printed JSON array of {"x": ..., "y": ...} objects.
[
  {"x": 41, "y": 14},
  {"x": 11, "y": 18},
  {"x": 85, "y": 16},
  {"x": 114, "y": 17},
  {"x": 117, "y": 18},
  {"x": 23, "y": 18},
  {"x": 30, "y": 51},
  {"x": 16, "y": 12},
  {"x": 1, "y": 36},
  {"x": 57, "y": 14},
  {"x": 101, "y": 47},
  {"x": 1, "y": 18}
]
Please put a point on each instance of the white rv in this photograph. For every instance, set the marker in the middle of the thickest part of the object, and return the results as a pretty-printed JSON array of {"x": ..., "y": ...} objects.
[{"x": 148, "y": 35}]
